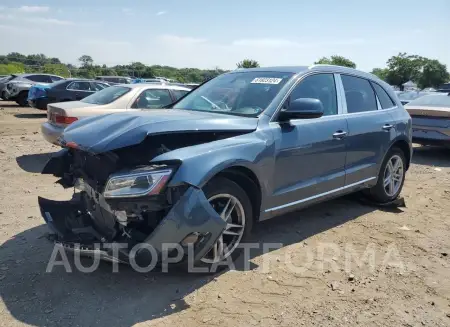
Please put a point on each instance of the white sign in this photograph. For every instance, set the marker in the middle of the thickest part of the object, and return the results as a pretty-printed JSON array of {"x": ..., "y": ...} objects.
[{"x": 266, "y": 80}]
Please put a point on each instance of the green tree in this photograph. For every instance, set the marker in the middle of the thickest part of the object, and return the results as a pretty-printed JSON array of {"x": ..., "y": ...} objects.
[
  {"x": 86, "y": 61},
  {"x": 433, "y": 74},
  {"x": 247, "y": 63},
  {"x": 403, "y": 68},
  {"x": 56, "y": 69},
  {"x": 380, "y": 73},
  {"x": 336, "y": 60}
]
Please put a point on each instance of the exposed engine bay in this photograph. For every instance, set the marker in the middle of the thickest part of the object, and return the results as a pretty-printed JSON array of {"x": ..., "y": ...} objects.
[{"x": 90, "y": 217}]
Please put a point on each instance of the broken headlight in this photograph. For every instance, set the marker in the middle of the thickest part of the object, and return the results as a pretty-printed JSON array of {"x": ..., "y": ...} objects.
[{"x": 136, "y": 184}]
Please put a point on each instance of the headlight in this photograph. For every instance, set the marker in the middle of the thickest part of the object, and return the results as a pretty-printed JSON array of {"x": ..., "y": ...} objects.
[{"x": 136, "y": 184}]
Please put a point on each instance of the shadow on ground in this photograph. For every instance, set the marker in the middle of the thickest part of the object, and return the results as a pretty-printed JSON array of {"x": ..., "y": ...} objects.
[
  {"x": 431, "y": 156},
  {"x": 33, "y": 163},
  {"x": 31, "y": 116},
  {"x": 103, "y": 298}
]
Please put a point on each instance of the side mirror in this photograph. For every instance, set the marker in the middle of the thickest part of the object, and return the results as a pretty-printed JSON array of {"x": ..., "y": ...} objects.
[{"x": 302, "y": 108}]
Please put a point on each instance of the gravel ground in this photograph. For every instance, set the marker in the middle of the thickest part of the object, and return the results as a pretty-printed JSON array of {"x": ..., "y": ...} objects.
[{"x": 324, "y": 283}]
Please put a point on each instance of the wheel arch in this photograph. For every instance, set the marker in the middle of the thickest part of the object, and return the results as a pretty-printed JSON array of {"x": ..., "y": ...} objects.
[
  {"x": 248, "y": 181},
  {"x": 406, "y": 149}
]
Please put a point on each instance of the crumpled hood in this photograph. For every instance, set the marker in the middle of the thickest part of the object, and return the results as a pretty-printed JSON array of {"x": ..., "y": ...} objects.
[{"x": 109, "y": 132}]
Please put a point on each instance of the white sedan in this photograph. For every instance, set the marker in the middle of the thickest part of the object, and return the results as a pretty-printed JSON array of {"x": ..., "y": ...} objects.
[{"x": 117, "y": 98}]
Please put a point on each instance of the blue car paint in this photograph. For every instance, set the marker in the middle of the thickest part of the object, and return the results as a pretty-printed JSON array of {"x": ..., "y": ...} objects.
[
  {"x": 105, "y": 133},
  {"x": 296, "y": 164}
]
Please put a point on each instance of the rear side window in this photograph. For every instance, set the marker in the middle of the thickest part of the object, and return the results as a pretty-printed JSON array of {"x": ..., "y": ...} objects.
[
  {"x": 179, "y": 93},
  {"x": 383, "y": 97},
  {"x": 79, "y": 86},
  {"x": 99, "y": 86},
  {"x": 359, "y": 94},
  {"x": 152, "y": 99},
  {"x": 55, "y": 78}
]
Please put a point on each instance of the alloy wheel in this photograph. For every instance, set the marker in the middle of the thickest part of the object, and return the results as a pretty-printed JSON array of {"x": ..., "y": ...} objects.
[
  {"x": 393, "y": 175},
  {"x": 231, "y": 210}
]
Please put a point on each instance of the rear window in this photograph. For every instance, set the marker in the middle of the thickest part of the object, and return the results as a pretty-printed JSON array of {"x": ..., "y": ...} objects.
[
  {"x": 437, "y": 100},
  {"x": 107, "y": 95}
]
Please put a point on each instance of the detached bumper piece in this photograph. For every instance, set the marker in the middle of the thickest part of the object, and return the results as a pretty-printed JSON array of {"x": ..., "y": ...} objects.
[{"x": 93, "y": 230}]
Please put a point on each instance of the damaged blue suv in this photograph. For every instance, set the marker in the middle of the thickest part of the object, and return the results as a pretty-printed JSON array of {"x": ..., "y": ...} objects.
[{"x": 246, "y": 146}]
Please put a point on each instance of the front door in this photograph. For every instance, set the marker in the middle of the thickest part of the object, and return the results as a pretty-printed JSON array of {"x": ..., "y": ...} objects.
[{"x": 310, "y": 153}]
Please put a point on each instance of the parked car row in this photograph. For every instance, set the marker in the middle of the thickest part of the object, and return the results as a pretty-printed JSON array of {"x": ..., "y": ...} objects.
[
  {"x": 17, "y": 87},
  {"x": 246, "y": 146}
]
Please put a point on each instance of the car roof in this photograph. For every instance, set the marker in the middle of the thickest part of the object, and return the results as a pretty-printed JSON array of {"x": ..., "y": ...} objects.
[
  {"x": 155, "y": 86},
  {"x": 300, "y": 70},
  {"x": 314, "y": 68}
]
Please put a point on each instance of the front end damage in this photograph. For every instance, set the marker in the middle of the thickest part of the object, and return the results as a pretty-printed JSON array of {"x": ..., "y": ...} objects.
[{"x": 98, "y": 221}]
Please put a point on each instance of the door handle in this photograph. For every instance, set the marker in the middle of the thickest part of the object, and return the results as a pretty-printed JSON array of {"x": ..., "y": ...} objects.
[
  {"x": 387, "y": 127},
  {"x": 339, "y": 135}
]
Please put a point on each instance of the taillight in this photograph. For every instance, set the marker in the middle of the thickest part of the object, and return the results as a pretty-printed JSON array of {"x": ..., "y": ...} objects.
[{"x": 59, "y": 119}]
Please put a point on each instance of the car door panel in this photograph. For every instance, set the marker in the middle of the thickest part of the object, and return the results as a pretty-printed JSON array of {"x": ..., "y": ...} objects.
[
  {"x": 308, "y": 160},
  {"x": 367, "y": 143},
  {"x": 309, "y": 157},
  {"x": 370, "y": 130}
]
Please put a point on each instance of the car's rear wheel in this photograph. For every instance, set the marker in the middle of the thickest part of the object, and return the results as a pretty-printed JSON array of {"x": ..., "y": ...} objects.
[
  {"x": 391, "y": 177},
  {"x": 234, "y": 206},
  {"x": 22, "y": 99}
]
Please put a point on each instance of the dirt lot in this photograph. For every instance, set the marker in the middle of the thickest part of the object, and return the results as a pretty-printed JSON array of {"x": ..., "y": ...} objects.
[{"x": 408, "y": 283}]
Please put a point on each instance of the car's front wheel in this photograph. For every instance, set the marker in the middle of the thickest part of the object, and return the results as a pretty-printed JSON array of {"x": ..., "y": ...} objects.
[
  {"x": 391, "y": 177},
  {"x": 233, "y": 205}
]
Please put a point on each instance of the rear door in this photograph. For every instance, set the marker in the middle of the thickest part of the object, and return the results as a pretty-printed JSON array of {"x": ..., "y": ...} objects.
[{"x": 370, "y": 129}]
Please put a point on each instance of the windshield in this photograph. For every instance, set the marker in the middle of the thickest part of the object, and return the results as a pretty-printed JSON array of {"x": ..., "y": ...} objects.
[
  {"x": 243, "y": 94},
  {"x": 107, "y": 95},
  {"x": 438, "y": 100}
]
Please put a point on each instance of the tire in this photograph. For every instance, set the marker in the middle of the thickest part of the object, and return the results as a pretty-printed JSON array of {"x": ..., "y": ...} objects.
[
  {"x": 22, "y": 99},
  {"x": 216, "y": 191},
  {"x": 3, "y": 96},
  {"x": 381, "y": 192}
]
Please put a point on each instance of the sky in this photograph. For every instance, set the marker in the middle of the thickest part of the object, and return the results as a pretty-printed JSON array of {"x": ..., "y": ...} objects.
[{"x": 219, "y": 33}]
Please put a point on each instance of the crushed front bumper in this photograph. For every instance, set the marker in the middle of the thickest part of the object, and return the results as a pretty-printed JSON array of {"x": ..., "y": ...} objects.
[{"x": 75, "y": 228}]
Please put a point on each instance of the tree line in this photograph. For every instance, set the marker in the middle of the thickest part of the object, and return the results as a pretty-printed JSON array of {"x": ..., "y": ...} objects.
[{"x": 399, "y": 69}]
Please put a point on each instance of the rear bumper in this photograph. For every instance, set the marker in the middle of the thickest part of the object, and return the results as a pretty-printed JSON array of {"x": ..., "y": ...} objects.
[
  {"x": 51, "y": 133},
  {"x": 431, "y": 136},
  {"x": 40, "y": 103}
]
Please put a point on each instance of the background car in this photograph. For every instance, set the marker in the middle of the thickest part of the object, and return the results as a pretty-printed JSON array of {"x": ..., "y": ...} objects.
[
  {"x": 112, "y": 80},
  {"x": 431, "y": 119},
  {"x": 17, "y": 88},
  {"x": 3, "y": 82},
  {"x": 113, "y": 99},
  {"x": 40, "y": 95},
  {"x": 407, "y": 96}
]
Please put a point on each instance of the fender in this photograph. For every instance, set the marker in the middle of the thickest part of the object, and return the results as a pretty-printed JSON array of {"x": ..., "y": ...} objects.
[{"x": 201, "y": 162}]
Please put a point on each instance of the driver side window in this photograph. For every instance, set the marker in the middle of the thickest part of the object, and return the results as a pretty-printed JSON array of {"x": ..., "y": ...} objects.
[{"x": 319, "y": 86}]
